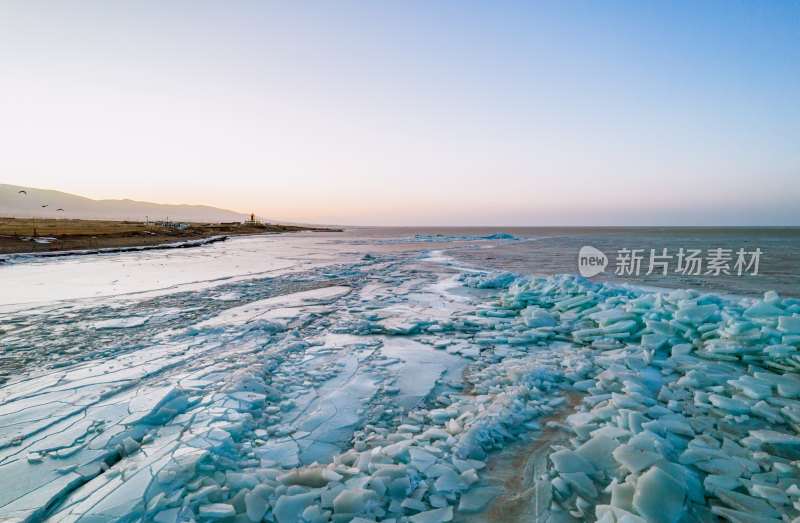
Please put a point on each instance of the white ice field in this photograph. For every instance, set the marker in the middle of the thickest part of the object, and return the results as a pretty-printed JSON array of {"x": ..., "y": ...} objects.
[{"x": 309, "y": 378}]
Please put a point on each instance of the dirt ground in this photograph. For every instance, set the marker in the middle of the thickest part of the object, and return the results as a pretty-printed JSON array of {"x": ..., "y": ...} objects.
[{"x": 21, "y": 235}]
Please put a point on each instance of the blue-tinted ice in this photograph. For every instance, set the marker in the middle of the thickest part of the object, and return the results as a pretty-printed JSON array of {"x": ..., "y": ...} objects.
[{"x": 294, "y": 379}]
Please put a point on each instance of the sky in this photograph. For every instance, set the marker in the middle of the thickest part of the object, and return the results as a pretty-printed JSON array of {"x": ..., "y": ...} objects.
[{"x": 411, "y": 112}]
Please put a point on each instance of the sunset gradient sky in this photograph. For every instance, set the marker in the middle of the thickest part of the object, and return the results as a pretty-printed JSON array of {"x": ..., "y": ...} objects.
[{"x": 412, "y": 112}]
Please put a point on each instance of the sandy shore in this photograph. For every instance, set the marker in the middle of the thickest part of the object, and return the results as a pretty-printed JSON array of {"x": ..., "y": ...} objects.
[{"x": 17, "y": 235}]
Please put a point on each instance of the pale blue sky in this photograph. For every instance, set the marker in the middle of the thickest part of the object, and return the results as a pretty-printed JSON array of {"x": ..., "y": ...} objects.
[{"x": 450, "y": 113}]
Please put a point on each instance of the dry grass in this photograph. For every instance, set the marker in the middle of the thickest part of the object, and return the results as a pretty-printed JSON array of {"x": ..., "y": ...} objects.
[
  {"x": 15, "y": 233},
  {"x": 52, "y": 227}
]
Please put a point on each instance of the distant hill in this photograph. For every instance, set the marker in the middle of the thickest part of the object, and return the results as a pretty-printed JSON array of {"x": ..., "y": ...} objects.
[{"x": 14, "y": 204}]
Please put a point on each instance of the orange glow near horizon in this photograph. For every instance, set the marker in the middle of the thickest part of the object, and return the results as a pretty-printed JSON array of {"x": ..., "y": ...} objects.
[{"x": 409, "y": 114}]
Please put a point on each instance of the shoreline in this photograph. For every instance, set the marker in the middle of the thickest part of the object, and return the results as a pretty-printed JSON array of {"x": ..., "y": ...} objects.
[
  {"x": 54, "y": 238},
  {"x": 4, "y": 258}
]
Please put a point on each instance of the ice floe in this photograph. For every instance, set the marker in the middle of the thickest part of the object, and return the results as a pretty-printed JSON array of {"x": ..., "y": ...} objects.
[{"x": 385, "y": 394}]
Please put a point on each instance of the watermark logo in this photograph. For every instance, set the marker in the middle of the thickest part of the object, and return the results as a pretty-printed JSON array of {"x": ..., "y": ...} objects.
[
  {"x": 689, "y": 262},
  {"x": 591, "y": 261},
  {"x": 686, "y": 262}
]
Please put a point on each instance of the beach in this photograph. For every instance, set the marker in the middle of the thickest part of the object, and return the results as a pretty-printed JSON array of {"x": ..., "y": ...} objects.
[{"x": 54, "y": 235}]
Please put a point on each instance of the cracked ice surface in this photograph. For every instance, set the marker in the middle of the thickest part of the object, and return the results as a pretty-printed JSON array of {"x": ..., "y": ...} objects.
[{"x": 318, "y": 384}]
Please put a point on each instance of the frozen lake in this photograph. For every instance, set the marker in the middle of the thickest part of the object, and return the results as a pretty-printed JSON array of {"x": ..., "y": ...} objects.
[{"x": 385, "y": 376}]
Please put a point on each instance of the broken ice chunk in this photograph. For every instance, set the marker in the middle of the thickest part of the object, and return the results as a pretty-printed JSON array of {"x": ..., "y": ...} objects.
[
  {"x": 752, "y": 387},
  {"x": 695, "y": 314},
  {"x": 659, "y": 497},
  {"x": 256, "y": 506},
  {"x": 746, "y": 503},
  {"x": 289, "y": 507},
  {"x": 282, "y": 452},
  {"x": 760, "y": 309},
  {"x": 570, "y": 461},
  {"x": 633, "y": 459},
  {"x": 465, "y": 464},
  {"x": 581, "y": 483},
  {"x": 449, "y": 482},
  {"x": 217, "y": 511},
  {"x": 789, "y": 324},
  {"x": 777, "y": 443},
  {"x": 476, "y": 499},
  {"x": 311, "y": 477},
  {"x": 722, "y": 467},
  {"x": 437, "y": 515},
  {"x": 654, "y": 341},
  {"x": 354, "y": 501},
  {"x": 730, "y": 404},
  {"x": 774, "y": 495},
  {"x": 610, "y": 513},
  {"x": 534, "y": 317},
  {"x": 167, "y": 516},
  {"x": 420, "y": 459},
  {"x": 622, "y": 496},
  {"x": 598, "y": 452},
  {"x": 714, "y": 481}
]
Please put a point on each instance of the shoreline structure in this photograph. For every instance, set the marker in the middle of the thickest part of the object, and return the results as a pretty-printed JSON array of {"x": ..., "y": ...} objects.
[{"x": 55, "y": 238}]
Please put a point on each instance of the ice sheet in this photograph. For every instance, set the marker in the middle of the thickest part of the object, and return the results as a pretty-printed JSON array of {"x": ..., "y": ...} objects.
[{"x": 293, "y": 377}]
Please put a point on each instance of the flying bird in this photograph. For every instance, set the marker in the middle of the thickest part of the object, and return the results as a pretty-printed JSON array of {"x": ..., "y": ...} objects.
[
  {"x": 43, "y": 206},
  {"x": 59, "y": 210},
  {"x": 23, "y": 192}
]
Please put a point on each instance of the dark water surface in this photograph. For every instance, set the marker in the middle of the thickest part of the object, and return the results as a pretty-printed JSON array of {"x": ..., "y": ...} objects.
[{"x": 545, "y": 251}]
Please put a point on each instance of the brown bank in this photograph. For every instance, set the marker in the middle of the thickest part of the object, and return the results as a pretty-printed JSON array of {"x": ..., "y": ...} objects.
[{"x": 26, "y": 235}]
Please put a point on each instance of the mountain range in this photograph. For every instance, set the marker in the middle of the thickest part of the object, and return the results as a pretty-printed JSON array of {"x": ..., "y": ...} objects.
[{"x": 24, "y": 202}]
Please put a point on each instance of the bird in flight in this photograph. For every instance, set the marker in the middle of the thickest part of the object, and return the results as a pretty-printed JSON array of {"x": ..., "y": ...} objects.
[
  {"x": 59, "y": 210},
  {"x": 23, "y": 192},
  {"x": 43, "y": 206}
]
